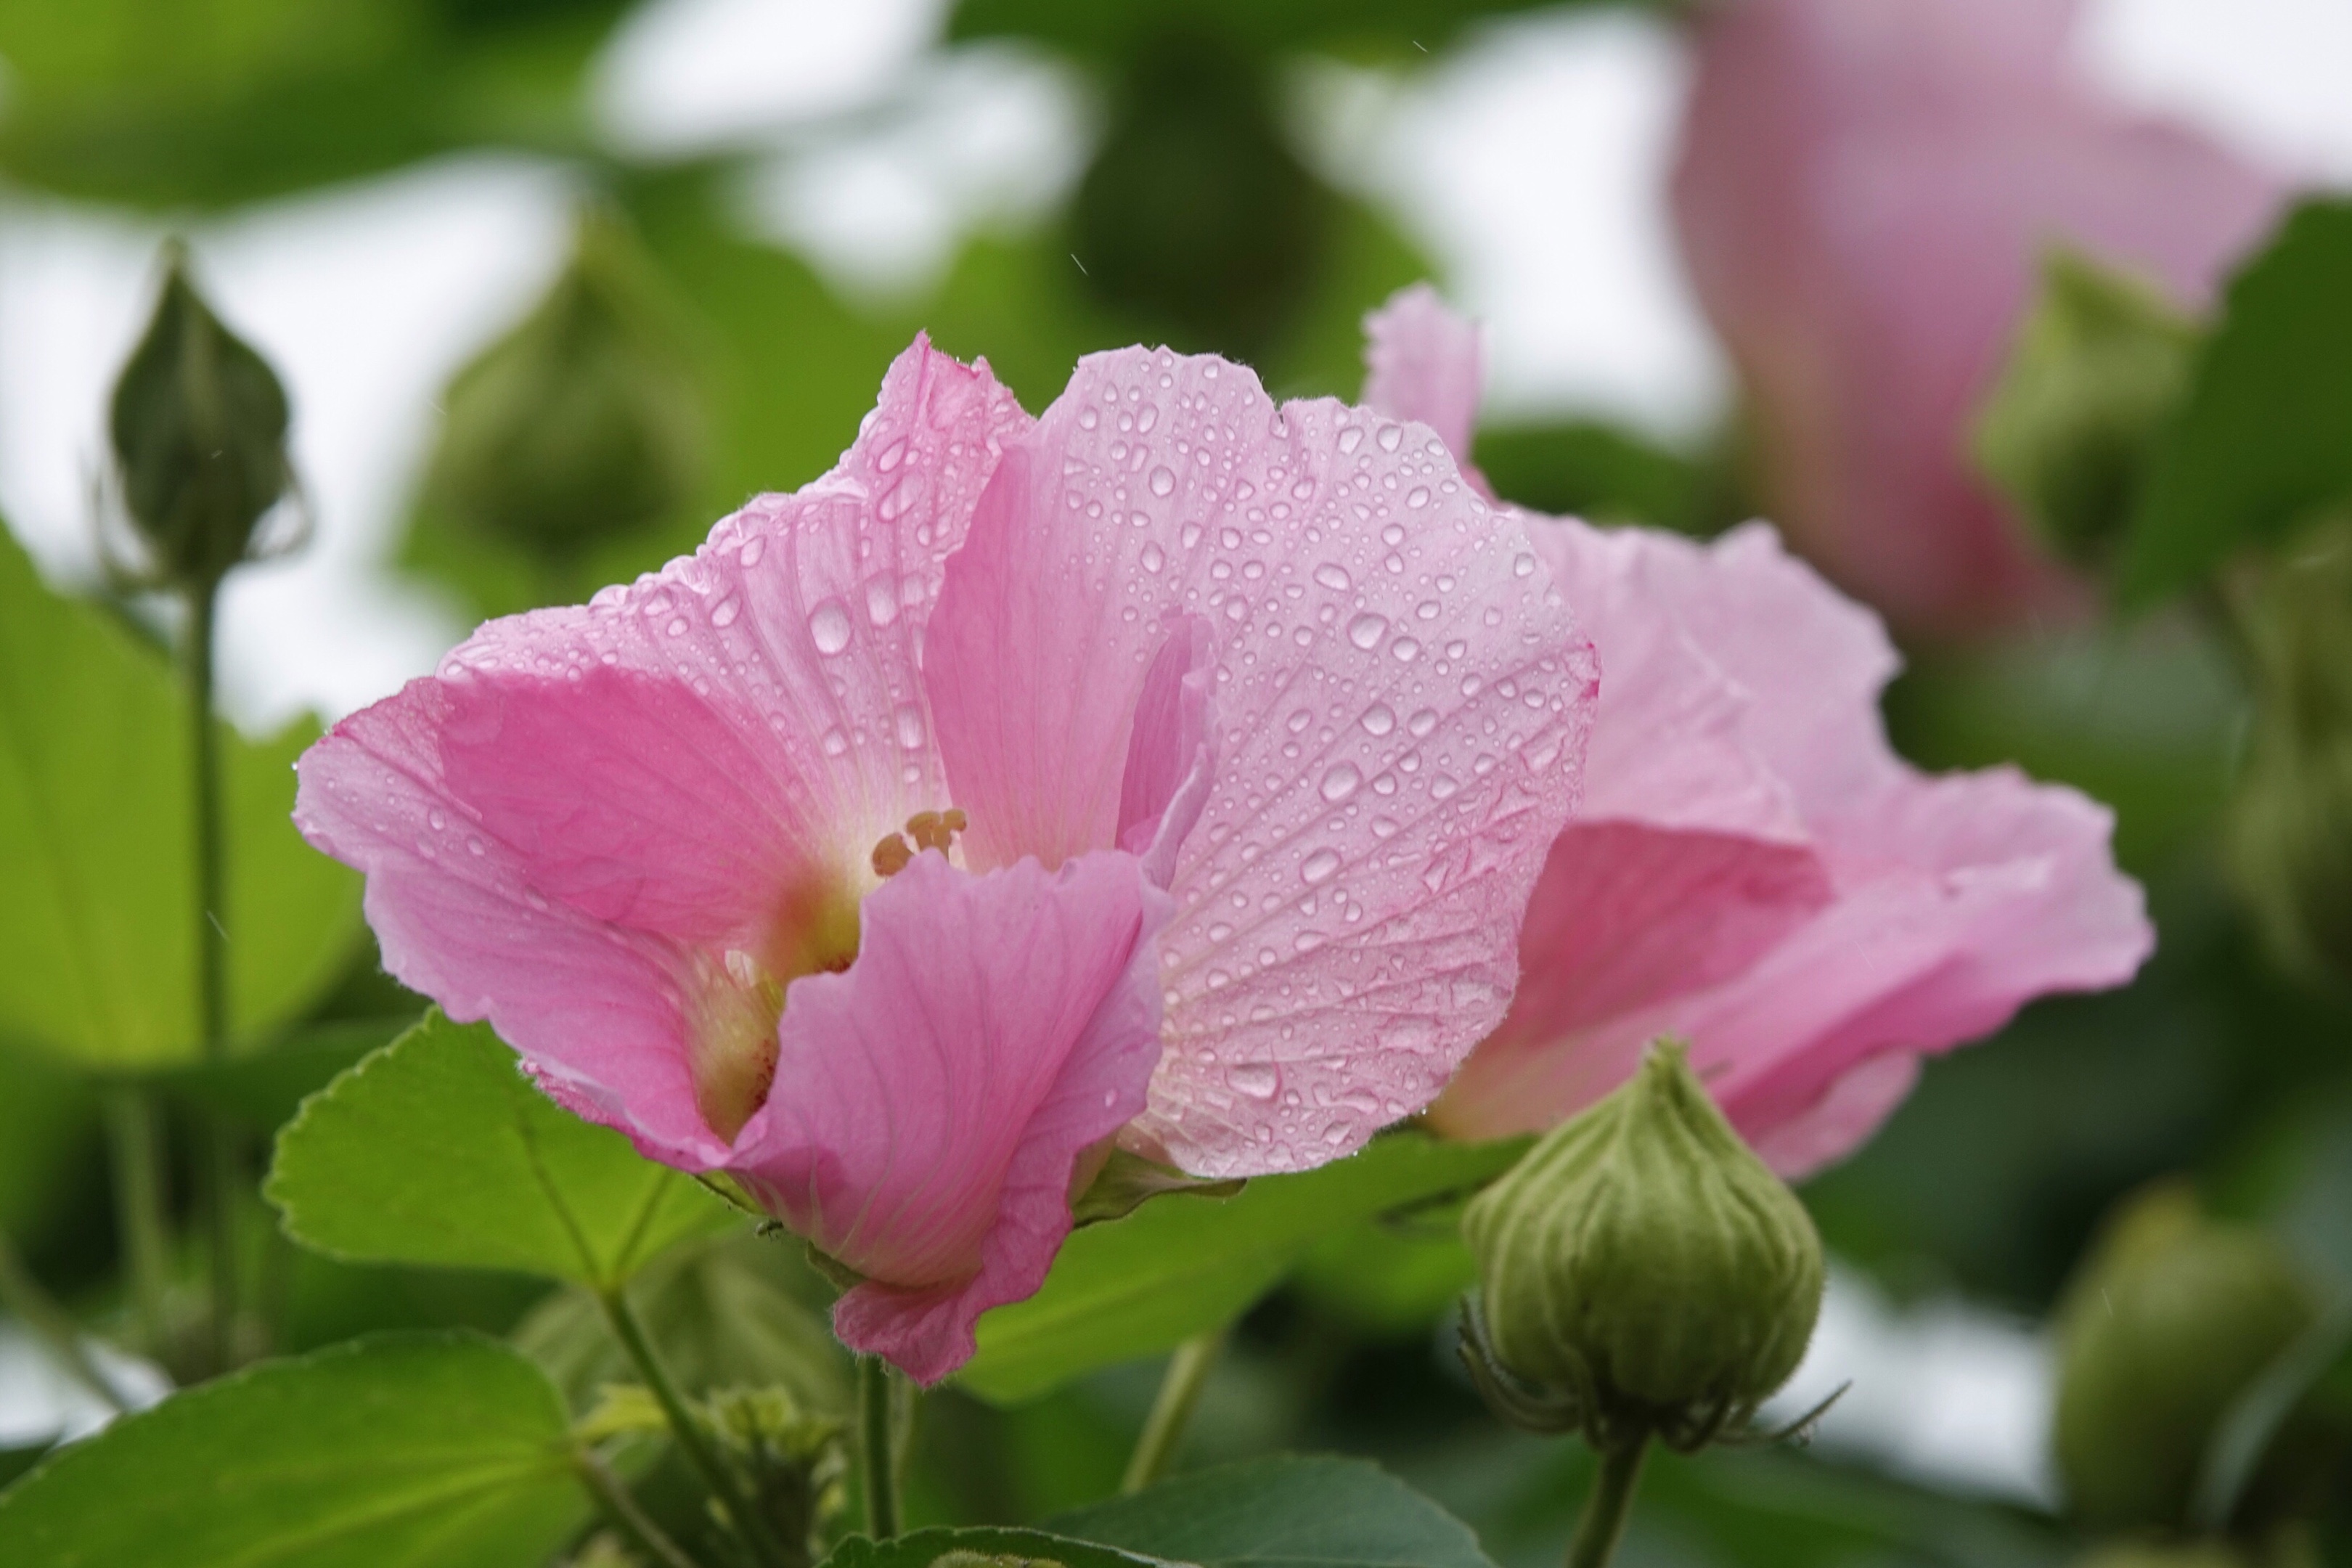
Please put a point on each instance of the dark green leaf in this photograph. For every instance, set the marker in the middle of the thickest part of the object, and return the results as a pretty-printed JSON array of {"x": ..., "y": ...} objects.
[
  {"x": 2265, "y": 442},
  {"x": 410, "y": 1451},
  {"x": 1290, "y": 1511},
  {"x": 99, "y": 921},
  {"x": 1607, "y": 475},
  {"x": 1127, "y": 1180},
  {"x": 2242, "y": 1437},
  {"x": 438, "y": 1150},
  {"x": 1140, "y": 1285},
  {"x": 1392, "y": 27},
  {"x": 266, "y": 1088},
  {"x": 981, "y": 1548}
]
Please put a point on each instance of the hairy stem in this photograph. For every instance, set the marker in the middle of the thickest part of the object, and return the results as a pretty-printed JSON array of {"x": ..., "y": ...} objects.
[
  {"x": 1172, "y": 1412},
  {"x": 877, "y": 1454},
  {"x": 727, "y": 1486},
  {"x": 134, "y": 1158},
  {"x": 1612, "y": 1502},
  {"x": 219, "y": 1162}
]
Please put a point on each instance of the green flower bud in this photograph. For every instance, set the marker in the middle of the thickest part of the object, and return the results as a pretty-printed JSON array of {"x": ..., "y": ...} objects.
[
  {"x": 199, "y": 430},
  {"x": 1642, "y": 1271},
  {"x": 2148, "y": 1554},
  {"x": 2166, "y": 1322},
  {"x": 584, "y": 421},
  {"x": 2099, "y": 363},
  {"x": 2289, "y": 829}
]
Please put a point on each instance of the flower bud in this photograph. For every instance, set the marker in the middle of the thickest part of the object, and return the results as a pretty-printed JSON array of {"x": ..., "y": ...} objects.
[
  {"x": 2149, "y": 1554},
  {"x": 2289, "y": 829},
  {"x": 2166, "y": 1322},
  {"x": 1642, "y": 1271},
  {"x": 585, "y": 420},
  {"x": 2098, "y": 364},
  {"x": 199, "y": 430}
]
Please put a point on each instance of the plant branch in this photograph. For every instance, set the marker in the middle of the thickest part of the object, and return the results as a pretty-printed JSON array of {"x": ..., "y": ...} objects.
[
  {"x": 1172, "y": 1412},
  {"x": 136, "y": 1166},
  {"x": 219, "y": 1147},
  {"x": 748, "y": 1525},
  {"x": 1612, "y": 1502},
  {"x": 875, "y": 1453},
  {"x": 53, "y": 1325}
]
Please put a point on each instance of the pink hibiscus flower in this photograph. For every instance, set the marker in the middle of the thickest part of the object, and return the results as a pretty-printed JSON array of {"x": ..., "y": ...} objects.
[
  {"x": 1865, "y": 191},
  {"x": 1173, "y": 768},
  {"x": 1753, "y": 869}
]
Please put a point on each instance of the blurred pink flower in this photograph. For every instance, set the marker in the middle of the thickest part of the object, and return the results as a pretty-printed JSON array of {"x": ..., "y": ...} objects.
[
  {"x": 1174, "y": 768},
  {"x": 1753, "y": 869},
  {"x": 1865, "y": 193}
]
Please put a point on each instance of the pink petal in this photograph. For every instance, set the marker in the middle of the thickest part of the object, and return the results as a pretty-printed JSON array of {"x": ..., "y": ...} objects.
[
  {"x": 1171, "y": 752},
  {"x": 1402, "y": 703},
  {"x": 1843, "y": 1119},
  {"x": 930, "y": 1104},
  {"x": 1865, "y": 192},
  {"x": 568, "y": 825},
  {"x": 1422, "y": 362}
]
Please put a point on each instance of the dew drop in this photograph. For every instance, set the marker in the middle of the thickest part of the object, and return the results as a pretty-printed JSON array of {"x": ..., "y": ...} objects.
[
  {"x": 1379, "y": 718},
  {"x": 1405, "y": 650},
  {"x": 1320, "y": 866},
  {"x": 829, "y": 627},
  {"x": 722, "y": 615},
  {"x": 1154, "y": 558},
  {"x": 835, "y": 742},
  {"x": 909, "y": 722},
  {"x": 1340, "y": 782},
  {"x": 1256, "y": 1080},
  {"x": 1417, "y": 498},
  {"x": 1365, "y": 630},
  {"x": 881, "y": 600},
  {"x": 1422, "y": 722},
  {"x": 1163, "y": 482},
  {"x": 1334, "y": 576}
]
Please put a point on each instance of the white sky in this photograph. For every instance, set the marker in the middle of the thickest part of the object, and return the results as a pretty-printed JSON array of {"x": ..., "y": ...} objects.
[{"x": 1529, "y": 164}]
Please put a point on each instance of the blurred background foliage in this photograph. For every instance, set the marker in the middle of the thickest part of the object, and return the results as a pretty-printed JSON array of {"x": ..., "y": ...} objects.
[{"x": 678, "y": 364}]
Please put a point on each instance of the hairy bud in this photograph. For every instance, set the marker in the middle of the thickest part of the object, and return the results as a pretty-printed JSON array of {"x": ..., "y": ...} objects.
[
  {"x": 2100, "y": 363},
  {"x": 2289, "y": 831},
  {"x": 198, "y": 424},
  {"x": 1642, "y": 1271},
  {"x": 2166, "y": 1322},
  {"x": 584, "y": 421}
]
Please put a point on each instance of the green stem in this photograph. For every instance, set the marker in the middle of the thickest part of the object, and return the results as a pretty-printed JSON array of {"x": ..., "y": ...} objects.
[
  {"x": 632, "y": 1523},
  {"x": 1172, "y": 1412},
  {"x": 876, "y": 1452},
  {"x": 748, "y": 1525},
  {"x": 53, "y": 1325},
  {"x": 219, "y": 1146},
  {"x": 1612, "y": 1502},
  {"x": 133, "y": 1154}
]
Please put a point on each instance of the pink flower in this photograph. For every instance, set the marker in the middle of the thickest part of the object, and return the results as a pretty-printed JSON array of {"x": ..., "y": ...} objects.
[
  {"x": 1866, "y": 190},
  {"x": 1754, "y": 870},
  {"x": 1173, "y": 768}
]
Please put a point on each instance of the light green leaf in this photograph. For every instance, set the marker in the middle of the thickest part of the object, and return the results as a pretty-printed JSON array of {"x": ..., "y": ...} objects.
[
  {"x": 1294, "y": 1510},
  {"x": 97, "y": 856},
  {"x": 437, "y": 1149},
  {"x": 1140, "y": 1285},
  {"x": 986, "y": 1547},
  {"x": 2265, "y": 442},
  {"x": 408, "y": 1451}
]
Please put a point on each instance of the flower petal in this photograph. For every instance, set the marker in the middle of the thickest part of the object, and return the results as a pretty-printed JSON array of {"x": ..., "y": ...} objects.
[
  {"x": 1422, "y": 362},
  {"x": 681, "y": 763},
  {"x": 931, "y": 1103},
  {"x": 1402, "y": 703},
  {"x": 1172, "y": 753}
]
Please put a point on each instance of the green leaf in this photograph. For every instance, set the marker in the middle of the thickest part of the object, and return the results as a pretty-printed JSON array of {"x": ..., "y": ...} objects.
[
  {"x": 2265, "y": 442},
  {"x": 438, "y": 1150},
  {"x": 408, "y": 1451},
  {"x": 1140, "y": 1285},
  {"x": 1292, "y": 1511},
  {"x": 2241, "y": 1439},
  {"x": 1403, "y": 30},
  {"x": 985, "y": 1547},
  {"x": 97, "y": 856},
  {"x": 265, "y": 1089}
]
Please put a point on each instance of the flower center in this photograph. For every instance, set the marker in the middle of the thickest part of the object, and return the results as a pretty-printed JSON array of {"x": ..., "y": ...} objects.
[{"x": 739, "y": 999}]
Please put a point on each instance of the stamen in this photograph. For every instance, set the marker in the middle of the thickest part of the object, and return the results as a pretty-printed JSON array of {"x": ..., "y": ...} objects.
[{"x": 928, "y": 829}]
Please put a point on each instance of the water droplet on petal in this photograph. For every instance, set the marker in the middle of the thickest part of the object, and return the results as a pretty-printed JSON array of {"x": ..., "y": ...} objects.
[
  {"x": 1256, "y": 1080},
  {"x": 1340, "y": 782},
  {"x": 1320, "y": 866},
  {"x": 829, "y": 627},
  {"x": 1334, "y": 576},
  {"x": 1379, "y": 718},
  {"x": 1366, "y": 630},
  {"x": 1162, "y": 481}
]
